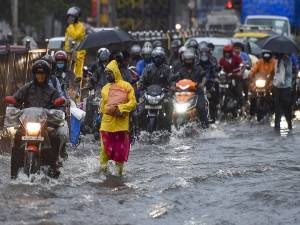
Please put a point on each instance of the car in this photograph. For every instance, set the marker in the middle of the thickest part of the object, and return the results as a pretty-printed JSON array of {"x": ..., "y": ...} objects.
[
  {"x": 56, "y": 43},
  {"x": 217, "y": 41}
]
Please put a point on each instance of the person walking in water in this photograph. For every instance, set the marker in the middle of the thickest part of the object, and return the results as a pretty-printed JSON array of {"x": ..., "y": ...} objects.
[{"x": 118, "y": 100}]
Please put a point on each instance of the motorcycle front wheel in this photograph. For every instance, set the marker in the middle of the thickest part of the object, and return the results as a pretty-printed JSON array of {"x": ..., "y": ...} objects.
[{"x": 31, "y": 163}]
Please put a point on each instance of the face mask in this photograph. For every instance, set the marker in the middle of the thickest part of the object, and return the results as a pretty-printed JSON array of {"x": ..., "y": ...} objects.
[
  {"x": 204, "y": 58},
  {"x": 40, "y": 78},
  {"x": 158, "y": 61},
  {"x": 60, "y": 66},
  {"x": 110, "y": 77},
  {"x": 227, "y": 55}
]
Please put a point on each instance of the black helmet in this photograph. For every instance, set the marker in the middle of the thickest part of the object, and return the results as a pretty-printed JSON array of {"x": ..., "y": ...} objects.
[
  {"x": 188, "y": 55},
  {"x": 74, "y": 11},
  {"x": 266, "y": 54},
  {"x": 158, "y": 56},
  {"x": 135, "y": 50},
  {"x": 41, "y": 66},
  {"x": 192, "y": 44},
  {"x": 211, "y": 46},
  {"x": 50, "y": 60},
  {"x": 239, "y": 45},
  {"x": 176, "y": 43},
  {"x": 103, "y": 54},
  {"x": 158, "y": 52}
]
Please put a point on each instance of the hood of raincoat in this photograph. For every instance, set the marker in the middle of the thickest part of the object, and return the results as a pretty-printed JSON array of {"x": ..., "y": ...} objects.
[{"x": 114, "y": 67}]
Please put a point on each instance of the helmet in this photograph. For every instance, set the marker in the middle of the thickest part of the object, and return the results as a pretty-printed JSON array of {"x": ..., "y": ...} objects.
[
  {"x": 176, "y": 43},
  {"x": 135, "y": 50},
  {"x": 211, "y": 46},
  {"x": 158, "y": 56},
  {"x": 239, "y": 45},
  {"x": 157, "y": 43},
  {"x": 50, "y": 60},
  {"x": 228, "y": 48},
  {"x": 103, "y": 54},
  {"x": 61, "y": 59},
  {"x": 147, "y": 44},
  {"x": 74, "y": 11},
  {"x": 204, "y": 54},
  {"x": 146, "y": 51},
  {"x": 192, "y": 44},
  {"x": 41, "y": 66},
  {"x": 60, "y": 56},
  {"x": 182, "y": 49},
  {"x": 266, "y": 54},
  {"x": 158, "y": 52},
  {"x": 188, "y": 55},
  {"x": 203, "y": 44}
]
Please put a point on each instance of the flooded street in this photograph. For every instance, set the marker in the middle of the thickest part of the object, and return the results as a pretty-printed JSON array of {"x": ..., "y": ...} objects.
[{"x": 233, "y": 174}]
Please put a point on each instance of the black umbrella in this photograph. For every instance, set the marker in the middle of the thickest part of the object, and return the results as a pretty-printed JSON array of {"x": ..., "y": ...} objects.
[
  {"x": 279, "y": 44},
  {"x": 105, "y": 38}
]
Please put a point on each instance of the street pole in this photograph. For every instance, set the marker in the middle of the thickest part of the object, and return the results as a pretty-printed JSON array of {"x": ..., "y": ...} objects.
[
  {"x": 14, "y": 11},
  {"x": 98, "y": 13}
]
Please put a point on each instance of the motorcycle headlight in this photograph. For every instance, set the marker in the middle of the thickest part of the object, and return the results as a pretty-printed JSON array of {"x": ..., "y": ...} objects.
[
  {"x": 33, "y": 129},
  {"x": 182, "y": 108},
  {"x": 260, "y": 83},
  {"x": 154, "y": 100}
]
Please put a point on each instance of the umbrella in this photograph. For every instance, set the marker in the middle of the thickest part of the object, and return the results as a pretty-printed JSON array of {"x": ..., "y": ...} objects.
[
  {"x": 105, "y": 38},
  {"x": 279, "y": 44}
]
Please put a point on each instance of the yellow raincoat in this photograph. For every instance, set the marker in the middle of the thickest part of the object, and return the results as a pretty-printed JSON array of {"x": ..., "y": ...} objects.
[
  {"x": 114, "y": 123},
  {"x": 76, "y": 32}
]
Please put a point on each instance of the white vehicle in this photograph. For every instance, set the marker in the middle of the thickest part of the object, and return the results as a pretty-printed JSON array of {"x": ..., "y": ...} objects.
[
  {"x": 218, "y": 42},
  {"x": 279, "y": 24},
  {"x": 225, "y": 20},
  {"x": 56, "y": 43}
]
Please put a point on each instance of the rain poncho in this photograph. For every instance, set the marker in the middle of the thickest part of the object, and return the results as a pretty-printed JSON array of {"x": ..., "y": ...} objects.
[
  {"x": 114, "y": 123},
  {"x": 76, "y": 32},
  {"x": 114, "y": 129}
]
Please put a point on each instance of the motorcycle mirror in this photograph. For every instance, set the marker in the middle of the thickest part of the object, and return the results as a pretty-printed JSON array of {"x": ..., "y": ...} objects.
[
  {"x": 10, "y": 100},
  {"x": 59, "y": 101}
]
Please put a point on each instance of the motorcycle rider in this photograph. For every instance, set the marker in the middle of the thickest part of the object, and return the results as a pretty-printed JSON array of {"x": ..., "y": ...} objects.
[
  {"x": 146, "y": 58},
  {"x": 75, "y": 32},
  {"x": 239, "y": 50},
  {"x": 230, "y": 63},
  {"x": 266, "y": 66},
  {"x": 62, "y": 73},
  {"x": 175, "y": 61},
  {"x": 213, "y": 59},
  {"x": 196, "y": 73},
  {"x": 212, "y": 87},
  {"x": 158, "y": 73},
  {"x": 194, "y": 45},
  {"x": 98, "y": 79},
  {"x": 37, "y": 93}
]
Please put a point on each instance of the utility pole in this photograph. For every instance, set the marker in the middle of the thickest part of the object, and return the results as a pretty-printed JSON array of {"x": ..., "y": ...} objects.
[
  {"x": 98, "y": 13},
  {"x": 14, "y": 12}
]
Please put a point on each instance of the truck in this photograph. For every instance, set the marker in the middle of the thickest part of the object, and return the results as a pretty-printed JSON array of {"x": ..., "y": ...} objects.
[{"x": 282, "y": 15}]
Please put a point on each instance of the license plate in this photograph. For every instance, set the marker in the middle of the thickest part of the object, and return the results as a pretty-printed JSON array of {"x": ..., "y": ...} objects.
[
  {"x": 224, "y": 85},
  {"x": 30, "y": 138},
  {"x": 153, "y": 107}
]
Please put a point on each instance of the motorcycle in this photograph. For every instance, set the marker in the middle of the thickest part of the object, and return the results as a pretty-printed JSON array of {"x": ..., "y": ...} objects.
[
  {"x": 185, "y": 102},
  {"x": 155, "y": 115},
  {"x": 262, "y": 94},
  {"x": 36, "y": 134},
  {"x": 228, "y": 100}
]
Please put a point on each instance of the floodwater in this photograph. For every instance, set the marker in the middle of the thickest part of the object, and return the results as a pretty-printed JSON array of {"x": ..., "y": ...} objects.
[{"x": 237, "y": 173}]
